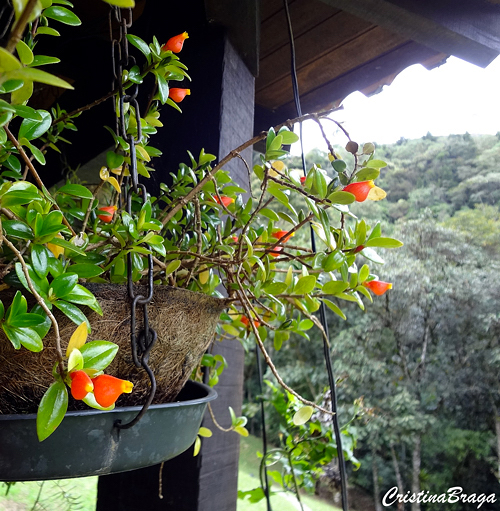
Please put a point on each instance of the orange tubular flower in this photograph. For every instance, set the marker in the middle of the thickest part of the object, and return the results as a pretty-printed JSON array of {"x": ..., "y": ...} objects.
[
  {"x": 178, "y": 95},
  {"x": 107, "y": 389},
  {"x": 360, "y": 190},
  {"x": 81, "y": 384},
  {"x": 174, "y": 44},
  {"x": 377, "y": 286},
  {"x": 224, "y": 200},
  {"x": 107, "y": 213},
  {"x": 275, "y": 252},
  {"x": 279, "y": 234},
  {"x": 246, "y": 322}
]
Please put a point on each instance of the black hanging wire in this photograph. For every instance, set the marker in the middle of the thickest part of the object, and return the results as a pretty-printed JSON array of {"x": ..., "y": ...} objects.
[
  {"x": 322, "y": 309},
  {"x": 264, "y": 434}
]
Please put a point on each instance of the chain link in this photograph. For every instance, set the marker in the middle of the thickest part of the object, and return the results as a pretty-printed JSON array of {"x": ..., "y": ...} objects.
[{"x": 141, "y": 344}]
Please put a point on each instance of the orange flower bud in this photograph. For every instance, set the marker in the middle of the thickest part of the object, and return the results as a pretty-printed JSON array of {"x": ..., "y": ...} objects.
[
  {"x": 235, "y": 238},
  {"x": 174, "y": 44},
  {"x": 377, "y": 286},
  {"x": 107, "y": 389},
  {"x": 178, "y": 95},
  {"x": 107, "y": 213},
  {"x": 275, "y": 252},
  {"x": 360, "y": 190},
  {"x": 81, "y": 384},
  {"x": 359, "y": 248},
  {"x": 246, "y": 322},
  {"x": 225, "y": 200},
  {"x": 279, "y": 234},
  {"x": 303, "y": 180}
]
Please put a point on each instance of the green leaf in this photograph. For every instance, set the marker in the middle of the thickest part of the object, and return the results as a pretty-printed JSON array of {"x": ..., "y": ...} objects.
[
  {"x": 306, "y": 324},
  {"x": 364, "y": 272},
  {"x": 275, "y": 288},
  {"x": 333, "y": 308},
  {"x": 76, "y": 191},
  {"x": 372, "y": 255},
  {"x": 163, "y": 88},
  {"x": 341, "y": 198},
  {"x": 63, "y": 285},
  {"x": 334, "y": 287},
  {"x": 51, "y": 410},
  {"x": 26, "y": 336},
  {"x": 269, "y": 213},
  {"x": 339, "y": 165},
  {"x": 302, "y": 415},
  {"x": 26, "y": 112},
  {"x": 383, "y": 243},
  {"x": 138, "y": 43},
  {"x": 40, "y": 259},
  {"x": 24, "y": 52},
  {"x": 83, "y": 296},
  {"x": 43, "y": 60},
  {"x": 288, "y": 137},
  {"x": 17, "y": 229},
  {"x": 367, "y": 174},
  {"x": 75, "y": 360},
  {"x": 47, "y": 31},
  {"x": 98, "y": 354},
  {"x": 305, "y": 285},
  {"x": 378, "y": 164},
  {"x": 67, "y": 245},
  {"x": 86, "y": 270},
  {"x": 37, "y": 75},
  {"x": 62, "y": 15},
  {"x": 72, "y": 312},
  {"x": 172, "y": 266},
  {"x": 8, "y": 62},
  {"x": 114, "y": 160}
]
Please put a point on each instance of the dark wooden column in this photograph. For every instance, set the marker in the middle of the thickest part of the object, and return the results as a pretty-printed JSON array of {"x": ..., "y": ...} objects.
[{"x": 218, "y": 116}]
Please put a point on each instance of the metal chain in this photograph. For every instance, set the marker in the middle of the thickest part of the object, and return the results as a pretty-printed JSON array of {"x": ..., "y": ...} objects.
[{"x": 141, "y": 344}]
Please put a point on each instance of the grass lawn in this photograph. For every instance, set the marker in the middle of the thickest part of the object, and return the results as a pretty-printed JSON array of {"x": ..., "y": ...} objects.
[
  {"x": 82, "y": 493},
  {"x": 248, "y": 478}
]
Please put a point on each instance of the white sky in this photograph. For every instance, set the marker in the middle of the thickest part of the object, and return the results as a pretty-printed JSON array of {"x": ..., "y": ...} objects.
[{"x": 455, "y": 98}]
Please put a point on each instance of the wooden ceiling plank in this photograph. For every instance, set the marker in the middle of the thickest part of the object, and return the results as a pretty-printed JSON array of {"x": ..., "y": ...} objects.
[
  {"x": 362, "y": 77},
  {"x": 304, "y": 16},
  {"x": 347, "y": 57},
  {"x": 312, "y": 45},
  {"x": 436, "y": 24}
]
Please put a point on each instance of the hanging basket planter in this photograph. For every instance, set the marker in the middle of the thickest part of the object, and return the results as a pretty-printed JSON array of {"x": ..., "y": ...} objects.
[
  {"x": 184, "y": 321},
  {"x": 88, "y": 443}
]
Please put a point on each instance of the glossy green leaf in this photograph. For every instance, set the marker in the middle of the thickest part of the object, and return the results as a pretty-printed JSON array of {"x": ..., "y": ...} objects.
[
  {"x": 8, "y": 62},
  {"x": 72, "y": 312},
  {"x": 341, "y": 198},
  {"x": 334, "y": 287},
  {"x": 76, "y": 191},
  {"x": 51, "y": 410},
  {"x": 47, "y": 31},
  {"x": 275, "y": 288},
  {"x": 62, "y": 285},
  {"x": 305, "y": 285},
  {"x": 43, "y": 60},
  {"x": 163, "y": 88},
  {"x": 24, "y": 336},
  {"x": 98, "y": 354},
  {"x": 302, "y": 415},
  {"x": 333, "y": 308},
  {"x": 86, "y": 270},
  {"x": 34, "y": 74},
  {"x": 383, "y": 243},
  {"x": 367, "y": 174},
  {"x": 62, "y": 15},
  {"x": 139, "y": 44},
  {"x": 31, "y": 129},
  {"x": 17, "y": 229},
  {"x": 24, "y": 52},
  {"x": 40, "y": 259}
]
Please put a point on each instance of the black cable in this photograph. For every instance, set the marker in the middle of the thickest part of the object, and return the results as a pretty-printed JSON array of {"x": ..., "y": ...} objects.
[
  {"x": 263, "y": 423},
  {"x": 322, "y": 309}
]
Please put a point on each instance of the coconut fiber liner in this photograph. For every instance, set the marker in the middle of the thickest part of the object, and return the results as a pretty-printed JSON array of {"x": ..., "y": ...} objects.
[{"x": 184, "y": 321}]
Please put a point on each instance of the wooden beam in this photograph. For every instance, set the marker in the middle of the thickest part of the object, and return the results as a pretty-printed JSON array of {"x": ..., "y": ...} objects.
[
  {"x": 368, "y": 46},
  {"x": 468, "y": 30},
  {"x": 333, "y": 92},
  {"x": 241, "y": 18}
]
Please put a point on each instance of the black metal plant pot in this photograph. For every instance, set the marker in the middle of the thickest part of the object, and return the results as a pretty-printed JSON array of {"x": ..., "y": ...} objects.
[{"x": 88, "y": 443}]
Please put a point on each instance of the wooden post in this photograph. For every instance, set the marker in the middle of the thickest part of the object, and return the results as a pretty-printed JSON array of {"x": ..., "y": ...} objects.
[{"x": 218, "y": 116}]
